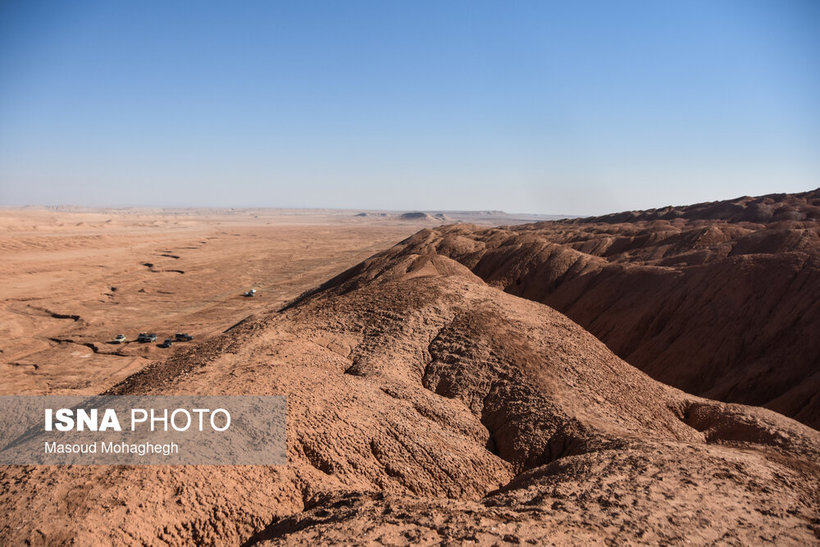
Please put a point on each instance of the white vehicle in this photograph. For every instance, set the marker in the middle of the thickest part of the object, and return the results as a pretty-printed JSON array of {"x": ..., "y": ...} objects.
[
  {"x": 249, "y": 293},
  {"x": 119, "y": 339}
]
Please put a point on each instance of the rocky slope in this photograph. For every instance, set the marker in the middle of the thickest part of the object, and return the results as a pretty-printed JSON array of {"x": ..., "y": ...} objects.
[
  {"x": 718, "y": 299},
  {"x": 425, "y": 405}
]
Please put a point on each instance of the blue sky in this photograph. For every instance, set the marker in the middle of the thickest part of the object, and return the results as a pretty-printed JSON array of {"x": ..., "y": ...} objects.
[{"x": 543, "y": 107}]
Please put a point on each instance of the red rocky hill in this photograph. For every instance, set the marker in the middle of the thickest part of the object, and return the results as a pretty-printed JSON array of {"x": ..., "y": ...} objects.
[{"x": 719, "y": 299}]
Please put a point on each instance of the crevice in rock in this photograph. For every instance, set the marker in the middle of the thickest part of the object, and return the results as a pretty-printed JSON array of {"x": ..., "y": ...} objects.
[{"x": 90, "y": 345}]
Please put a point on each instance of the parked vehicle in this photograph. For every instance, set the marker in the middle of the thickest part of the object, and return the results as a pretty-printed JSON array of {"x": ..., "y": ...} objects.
[
  {"x": 119, "y": 339},
  {"x": 183, "y": 337},
  {"x": 166, "y": 344},
  {"x": 249, "y": 293},
  {"x": 147, "y": 337}
]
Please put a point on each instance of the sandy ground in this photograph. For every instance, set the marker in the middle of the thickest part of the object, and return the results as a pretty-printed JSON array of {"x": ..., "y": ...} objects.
[
  {"x": 426, "y": 405},
  {"x": 73, "y": 280}
]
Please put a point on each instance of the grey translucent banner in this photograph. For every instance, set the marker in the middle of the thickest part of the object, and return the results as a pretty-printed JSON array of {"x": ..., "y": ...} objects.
[{"x": 142, "y": 430}]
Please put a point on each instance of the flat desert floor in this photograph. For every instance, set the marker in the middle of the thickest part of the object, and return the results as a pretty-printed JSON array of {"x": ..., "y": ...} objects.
[{"x": 73, "y": 280}]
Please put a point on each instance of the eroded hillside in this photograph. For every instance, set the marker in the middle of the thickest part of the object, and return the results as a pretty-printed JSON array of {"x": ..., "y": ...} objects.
[
  {"x": 719, "y": 299},
  {"x": 426, "y": 405}
]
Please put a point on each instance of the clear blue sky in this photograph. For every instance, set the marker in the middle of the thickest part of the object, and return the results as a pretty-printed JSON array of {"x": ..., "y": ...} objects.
[{"x": 547, "y": 107}]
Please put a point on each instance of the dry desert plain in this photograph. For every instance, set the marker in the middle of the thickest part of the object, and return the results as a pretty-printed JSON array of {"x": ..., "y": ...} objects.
[
  {"x": 458, "y": 384},
  {"x": 72, "y": 279}
]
